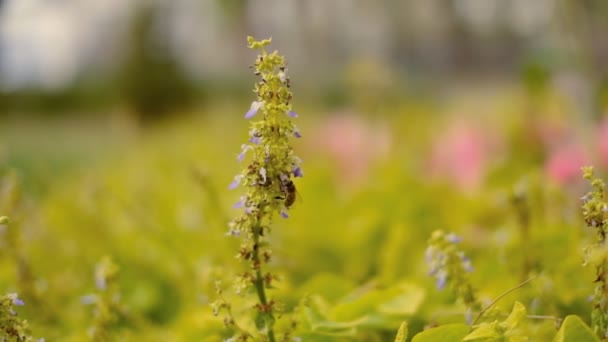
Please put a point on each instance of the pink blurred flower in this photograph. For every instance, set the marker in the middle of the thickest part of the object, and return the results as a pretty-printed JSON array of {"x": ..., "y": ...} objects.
[
  {"x": 461, "y": 155},
  {"x": 564, "y": 163},
  {"x": 551, "y": 132},
  {"x": 353, "y": 143}
]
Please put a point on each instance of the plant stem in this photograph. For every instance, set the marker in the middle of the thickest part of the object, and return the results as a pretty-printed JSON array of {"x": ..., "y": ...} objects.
[
  {"x": 501, "y": 297},
  {"x": 259, "y": 281},
  {"x": 523, "y": 218}
]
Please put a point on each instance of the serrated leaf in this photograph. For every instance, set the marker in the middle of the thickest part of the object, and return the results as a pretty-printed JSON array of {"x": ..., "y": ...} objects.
[
  {"x": 402, "y": 333},
  {"x": 483, "y": 331},
  {"x": 573, "y": 329},
  {"x": 444, "y": 333}
]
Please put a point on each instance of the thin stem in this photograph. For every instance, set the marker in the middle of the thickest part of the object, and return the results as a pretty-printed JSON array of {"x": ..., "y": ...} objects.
[
  {"x": 550, "y": 318},
  {"x": 523, "y": 217},
  {"x": 233, "y": 321},
  {"x": 501, "y": 297},
  {"x": 259, "y": 281}
]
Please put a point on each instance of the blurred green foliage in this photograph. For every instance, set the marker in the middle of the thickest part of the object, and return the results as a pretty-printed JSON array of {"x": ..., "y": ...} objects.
[{"x": 350, "y": 258}]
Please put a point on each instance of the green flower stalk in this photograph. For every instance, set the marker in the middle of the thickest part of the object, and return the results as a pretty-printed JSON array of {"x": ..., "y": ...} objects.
[
  {"x": 268, "y": 180},
  {"x": 107, "y": 308},
  {"x": 594, "y": 210},
  {"x": 451, "y": 267}
]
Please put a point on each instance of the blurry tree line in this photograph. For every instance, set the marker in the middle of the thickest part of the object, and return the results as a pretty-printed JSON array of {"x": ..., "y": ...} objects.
[
  {"x": 432, "y": 38},
  {"x": 149, "y": 79}
]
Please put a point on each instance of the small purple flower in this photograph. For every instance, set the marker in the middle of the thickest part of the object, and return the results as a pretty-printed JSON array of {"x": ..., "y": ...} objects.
[
  {"x": 15, "y": 299},
  {"x": 239, "y": 204},
  {"x": 284, "y": 214},
  {"x": 244, "y": 149},
  {"x": 255, "y": 140},
  {"x": 442, "y": 278},
  {"x": 88, "y": 299},
  {"x": 453, "y": 238},
  {"x": 297, "y": 172},
  {"x": 235, "y": 183},
  {"x": 267, "y": 154},
  {"x": 292, "y": 114},
  {"x": 100, "y": 282},
  {"x": 255, "y": 106},
  {"x": 466, "y": 264},
  {"x": 297, "y": 133}
]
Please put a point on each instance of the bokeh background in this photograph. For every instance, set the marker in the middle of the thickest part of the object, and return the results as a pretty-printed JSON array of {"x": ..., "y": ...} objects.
[{"x": 120, "y": 122}]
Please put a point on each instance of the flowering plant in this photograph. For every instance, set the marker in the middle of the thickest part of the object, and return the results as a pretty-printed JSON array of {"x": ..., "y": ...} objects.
[
  {"x": 450, "y": 266},
  {"x": 270, "y": 189}
]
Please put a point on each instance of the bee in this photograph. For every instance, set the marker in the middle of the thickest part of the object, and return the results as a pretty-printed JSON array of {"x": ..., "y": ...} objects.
[
  {"x": 288, "y": 189},
  {"x": 253, "y": 168}
]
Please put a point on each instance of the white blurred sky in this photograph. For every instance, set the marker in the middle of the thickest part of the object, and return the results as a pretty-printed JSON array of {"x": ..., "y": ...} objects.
[{"x": 48, "y": 43}]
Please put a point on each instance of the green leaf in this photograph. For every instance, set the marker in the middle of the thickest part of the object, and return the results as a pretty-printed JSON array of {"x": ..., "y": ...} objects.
[
  {"x": 444, "y": 333},
  {"x": 402, "y": 333},
  {"x": 573, "y": 329},
  {"x": 484, "y": 331},
  {"x": 407, "y": 302},
  {"x": 517, "y": 314},
  {"x": 321, "y": 325},
  {"x": 403, "y": 299},
  {"x": 328, "y": 285}
]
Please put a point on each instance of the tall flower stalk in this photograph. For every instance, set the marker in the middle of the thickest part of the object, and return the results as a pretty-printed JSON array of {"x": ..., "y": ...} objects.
[
  {"x": 268, "y": 180},
  {"x": 595, "y": 209}
]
